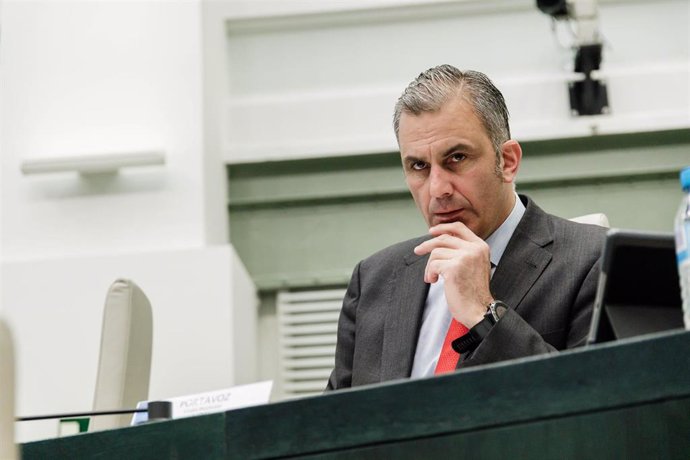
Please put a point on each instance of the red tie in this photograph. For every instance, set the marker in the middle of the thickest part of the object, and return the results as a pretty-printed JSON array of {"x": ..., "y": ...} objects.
[{"x": 448, "y": 359}]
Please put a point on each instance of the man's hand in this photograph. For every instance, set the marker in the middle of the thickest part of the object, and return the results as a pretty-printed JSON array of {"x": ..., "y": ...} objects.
[{"x": 462, "y": 259}]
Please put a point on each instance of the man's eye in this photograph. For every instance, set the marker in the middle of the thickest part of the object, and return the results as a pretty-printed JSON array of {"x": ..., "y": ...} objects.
[
  {"x": 418, "y": 165},
  {"x": 456, "y": 157}
]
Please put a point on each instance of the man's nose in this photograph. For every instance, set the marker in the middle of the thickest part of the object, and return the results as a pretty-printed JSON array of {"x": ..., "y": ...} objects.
[{"x": 440, "y": 182}]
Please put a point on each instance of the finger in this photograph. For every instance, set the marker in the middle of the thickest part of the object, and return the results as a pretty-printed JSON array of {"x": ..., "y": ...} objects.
[
  {"x": 441, "y": 241},
  {"x": 435, "y": 269},
  {"x": 437, "y": 254},
  {"x": 443, "y": 253},
  {"x": 457, "y": 229}
]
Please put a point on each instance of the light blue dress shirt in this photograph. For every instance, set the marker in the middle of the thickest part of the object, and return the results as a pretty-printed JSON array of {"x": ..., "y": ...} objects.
[{"x": 436, "y": 317}]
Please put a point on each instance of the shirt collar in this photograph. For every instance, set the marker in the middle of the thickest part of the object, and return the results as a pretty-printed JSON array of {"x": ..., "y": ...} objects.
[{"x": 498, "y": 241}]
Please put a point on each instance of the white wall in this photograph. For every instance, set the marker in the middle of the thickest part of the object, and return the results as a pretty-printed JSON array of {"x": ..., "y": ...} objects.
[
  {"x": 96, "y": 77},
  {"x": 310, "y": 81},
  {"x": 84, "y": 78}
]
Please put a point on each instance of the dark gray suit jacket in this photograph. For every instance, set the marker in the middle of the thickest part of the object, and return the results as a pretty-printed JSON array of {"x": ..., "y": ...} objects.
[{"x": 547, "y": 275}]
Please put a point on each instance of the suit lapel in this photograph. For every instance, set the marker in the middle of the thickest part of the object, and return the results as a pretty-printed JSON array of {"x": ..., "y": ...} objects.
[
  {"x": 404, "y": 318},
  {"x": 525, "y": 258}
]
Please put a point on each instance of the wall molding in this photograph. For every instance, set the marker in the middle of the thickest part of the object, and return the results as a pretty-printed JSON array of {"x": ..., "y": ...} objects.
[
  {"x": 375, "y": 13},
  {"x": 256, "y": 19},
  {"x": 97, "y": 163}
]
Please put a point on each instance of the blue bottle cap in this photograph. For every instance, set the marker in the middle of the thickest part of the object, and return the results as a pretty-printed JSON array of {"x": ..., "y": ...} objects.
[{"x": 685, "y": 178}]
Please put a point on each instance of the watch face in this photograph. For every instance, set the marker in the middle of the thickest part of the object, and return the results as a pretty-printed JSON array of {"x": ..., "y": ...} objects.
[
  {"x": 501, "y": 310},
  {"x": 497, "y": 309}
]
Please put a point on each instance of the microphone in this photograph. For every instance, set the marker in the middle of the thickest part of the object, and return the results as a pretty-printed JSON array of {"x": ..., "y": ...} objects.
[{"x": 158, "y": 410}]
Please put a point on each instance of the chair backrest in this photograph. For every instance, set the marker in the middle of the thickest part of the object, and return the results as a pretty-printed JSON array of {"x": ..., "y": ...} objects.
[
  {"x": 8, "y": 449},
  {"x": 595, "y": 219},
  {"x": 124, "y": 366}
]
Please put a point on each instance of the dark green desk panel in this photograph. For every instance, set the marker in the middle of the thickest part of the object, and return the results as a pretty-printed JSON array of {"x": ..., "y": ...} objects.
[
  {"x": 598, "y": 379},
  {"x": 650, "y": 431},
  {"x": 625, "y": 398},
  {"x": 191, "y": 438}
]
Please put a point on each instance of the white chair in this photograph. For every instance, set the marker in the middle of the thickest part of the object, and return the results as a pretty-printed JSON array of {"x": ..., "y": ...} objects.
[
  {"x": 124, "y": 366},
  {"x": 595, "y": 219},
  {"x": 8, "y": 449}
]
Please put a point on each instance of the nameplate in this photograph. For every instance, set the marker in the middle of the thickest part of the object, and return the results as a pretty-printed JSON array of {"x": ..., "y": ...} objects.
[{"x": 253, "y": 394}]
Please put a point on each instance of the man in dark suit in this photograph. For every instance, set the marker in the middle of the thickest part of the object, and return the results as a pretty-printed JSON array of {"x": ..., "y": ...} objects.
[{"x": 496, "y": 278}]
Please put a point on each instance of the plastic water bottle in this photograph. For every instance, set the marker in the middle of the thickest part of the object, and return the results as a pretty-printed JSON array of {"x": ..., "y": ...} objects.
[{"x": 682, "y": 230}]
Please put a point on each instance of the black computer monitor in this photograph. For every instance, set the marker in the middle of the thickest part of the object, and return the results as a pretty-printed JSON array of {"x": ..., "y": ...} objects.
[{"x": 638, "y": 291}]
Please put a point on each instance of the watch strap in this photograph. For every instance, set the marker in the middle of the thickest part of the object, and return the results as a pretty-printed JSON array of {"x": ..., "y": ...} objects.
[{"x": 476, "y": 334}]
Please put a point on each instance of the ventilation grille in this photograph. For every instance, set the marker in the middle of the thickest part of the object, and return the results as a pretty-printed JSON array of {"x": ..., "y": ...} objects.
[{"x": 307, "y": 324}]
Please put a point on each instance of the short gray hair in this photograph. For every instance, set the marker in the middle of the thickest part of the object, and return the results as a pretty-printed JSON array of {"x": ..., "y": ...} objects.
[{"x": 436, "y": 86}]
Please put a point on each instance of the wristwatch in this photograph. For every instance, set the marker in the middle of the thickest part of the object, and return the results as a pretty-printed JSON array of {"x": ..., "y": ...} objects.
[{"x": 474, "y": 336}]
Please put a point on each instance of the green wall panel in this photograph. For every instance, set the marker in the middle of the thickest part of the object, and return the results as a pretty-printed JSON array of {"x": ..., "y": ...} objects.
[
  {"x": 275, "y": 183},
  {"x": 306, "y": 223},
  {"x": 645, "y": 204},
  {"x": 319, "y": 244}
]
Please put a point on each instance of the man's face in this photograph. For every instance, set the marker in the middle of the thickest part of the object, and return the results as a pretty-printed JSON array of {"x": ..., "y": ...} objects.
[{"x": 450, "y": 168}]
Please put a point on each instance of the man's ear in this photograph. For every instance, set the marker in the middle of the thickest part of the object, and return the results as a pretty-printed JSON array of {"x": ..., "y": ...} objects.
[{"x": 511, "y": 154}]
